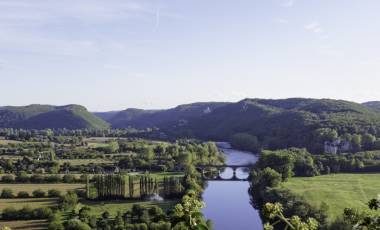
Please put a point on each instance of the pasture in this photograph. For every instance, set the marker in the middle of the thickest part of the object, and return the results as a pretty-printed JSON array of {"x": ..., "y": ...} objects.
[
  {"x": 31, "y": 202},
  {"x": 338, "y": 191},
  {"x": 45, "y": 187},
  {"x": 25, "y": 224}
]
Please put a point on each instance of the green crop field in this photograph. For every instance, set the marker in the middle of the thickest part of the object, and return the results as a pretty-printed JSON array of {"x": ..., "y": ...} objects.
[
  {"x": 31, "y": 187},
  {"x": 31, "y": 202},
  {"x": 21, "y": 224},
  {"x": 338, "y": 191},
  {"x": 85, "y": 161}
]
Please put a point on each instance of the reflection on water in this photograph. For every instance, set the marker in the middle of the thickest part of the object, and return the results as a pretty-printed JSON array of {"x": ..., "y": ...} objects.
[{"x": 228, "y": 202}]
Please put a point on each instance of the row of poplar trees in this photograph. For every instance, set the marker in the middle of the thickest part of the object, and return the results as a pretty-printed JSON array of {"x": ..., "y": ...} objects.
[{"x": 112, "y": 187}]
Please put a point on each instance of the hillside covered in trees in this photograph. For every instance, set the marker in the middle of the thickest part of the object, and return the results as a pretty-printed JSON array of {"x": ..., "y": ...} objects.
[
  {"x": 47, "y": 116},
  {"x": 267, "y": 123}
]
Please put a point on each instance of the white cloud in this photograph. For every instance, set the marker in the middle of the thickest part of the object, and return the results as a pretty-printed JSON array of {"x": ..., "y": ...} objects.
[{"x": 314, "y": 27}]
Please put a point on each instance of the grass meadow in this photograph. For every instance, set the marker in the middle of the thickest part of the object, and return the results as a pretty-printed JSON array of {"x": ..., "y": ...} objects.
[{"x": 338, "y": 191}]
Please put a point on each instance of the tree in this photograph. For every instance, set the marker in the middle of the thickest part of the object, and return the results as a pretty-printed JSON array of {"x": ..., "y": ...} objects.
[
  {"x": 39, "y": 193},
  {"x": 245, "y": 141},
  {"x": 280, "y": 160},
  {"x": 357, "y": 142},
  {"x": 84, "y": 214},
  {"x": 22, "y": 194},
  {"x": 7, "y": 193},
  {"x": 54, "y": 193},
  {"x": 69, "y": 200},
  {"x": 75, "y": 224},
  {"x": 266, "y": 178},
  {"x": 274, "y": 213},
  {"x": 368, "y": 141},
  {"x": 364, "y": 220},
  {"x": 189, "y": 212}
]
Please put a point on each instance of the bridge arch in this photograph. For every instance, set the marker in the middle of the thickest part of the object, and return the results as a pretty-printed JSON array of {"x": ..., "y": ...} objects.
[{"x": 213, "y": 172}]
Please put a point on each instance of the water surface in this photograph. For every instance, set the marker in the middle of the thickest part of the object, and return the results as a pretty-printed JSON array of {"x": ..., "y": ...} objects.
[{"x": 228, "y": 202}]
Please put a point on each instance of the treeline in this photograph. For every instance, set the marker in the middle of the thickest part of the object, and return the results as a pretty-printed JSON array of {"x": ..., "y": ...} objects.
[
  {"x": 26, "y": 213},
  {"x": 41, "y": 179},
  {"x": 299, "y": 162},
  {"x": 67, "y": 136},
  {"x": 8, "y": 193},
  {"x": 113, "y": 187},
  {"x": 318, "y": 142}
]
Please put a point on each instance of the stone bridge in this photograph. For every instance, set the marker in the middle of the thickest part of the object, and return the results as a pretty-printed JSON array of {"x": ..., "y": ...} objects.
[{"x": 213, "y": 172}]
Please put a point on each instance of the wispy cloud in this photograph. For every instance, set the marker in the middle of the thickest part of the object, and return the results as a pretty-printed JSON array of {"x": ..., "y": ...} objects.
[
  {"x": 76, "y": 27},
  {"x": 157, "y": 24},
  {"x": 314, "y": 27}
]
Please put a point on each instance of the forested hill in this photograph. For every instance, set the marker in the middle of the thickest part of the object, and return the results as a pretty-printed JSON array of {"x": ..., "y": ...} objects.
[
  {"x": 373, "y": 104},
  {"x": 286, "y": 122},
  {"x": 280, "y": 123},
  {"x": 178, "y": 116},
  {"x": 47, "y": 116}
]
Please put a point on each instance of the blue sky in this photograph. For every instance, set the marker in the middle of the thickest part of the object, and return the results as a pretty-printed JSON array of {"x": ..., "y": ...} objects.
[{"x": 114, "y": 54}]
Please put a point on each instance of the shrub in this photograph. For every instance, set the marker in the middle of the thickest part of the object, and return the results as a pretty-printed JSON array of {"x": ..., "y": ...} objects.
[
  {"x": 26, "y": 213},
  {"x": 54, "y": 193},
  {"x": 39, "y": 193},
  {"x": 22, "y": 177},
  {"x": 22, "y": 194},
  {"x": 7, "y": 193},
  {"x": 9, "y": 213},
  {"x": 55, "y": 225},
  {"x": 68, "y": 178},
  {"x": 8, "y": 179},
  {"x": 37, "y": 178},
  {"x": 53, "y": 179},
  {"x": 42, "y": 213},
  {"x": 75, "y": 224}
]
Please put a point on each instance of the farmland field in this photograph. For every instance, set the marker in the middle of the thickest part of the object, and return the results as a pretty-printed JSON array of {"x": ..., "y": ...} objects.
[
  {"x": 21, "y": 224},
  {"x": 31, "y": 202},
  {"x": 338, "y": 191},
  {"x": 31, "y": 187},
  {"x": 85, "y": 161}
]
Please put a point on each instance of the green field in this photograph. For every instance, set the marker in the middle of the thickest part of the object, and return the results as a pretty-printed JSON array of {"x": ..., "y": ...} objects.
[
  {"x": 85, "y": 161},
  {"x": 5, "y": 142},
  {"x": 21, "y": 224},
  {"x": 31, "y": 202},
  {"x": 338, "y": 191},
  {"x": 31, "y": 187}
]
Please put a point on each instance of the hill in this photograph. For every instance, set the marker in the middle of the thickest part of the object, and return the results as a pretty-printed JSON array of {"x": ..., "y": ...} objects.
[
  {"x": 293, "y": 122},
  {"x": 373, "y": 105},
  {"x": 287, "y": 122},
  {"x": 170, "y": 118},
  {"x": 47, "y": 116}
]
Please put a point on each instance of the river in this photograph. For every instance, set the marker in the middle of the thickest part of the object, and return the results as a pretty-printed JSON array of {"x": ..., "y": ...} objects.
[{"x": 228, "y": 202}]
